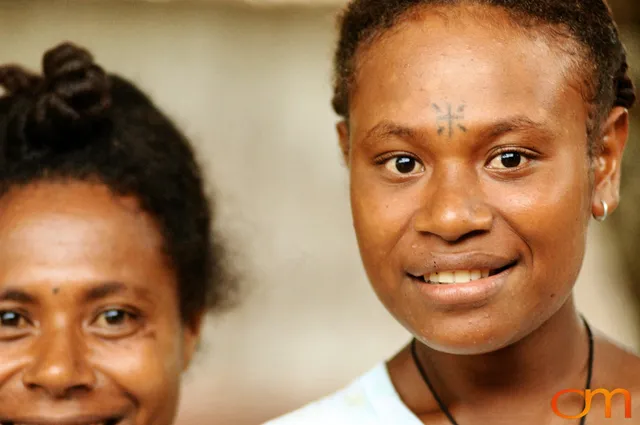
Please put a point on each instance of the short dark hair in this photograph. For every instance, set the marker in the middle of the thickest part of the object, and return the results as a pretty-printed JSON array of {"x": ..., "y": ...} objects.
[
  {"x": 589, "y": 22},
  {"x": 76, "y": 122}
]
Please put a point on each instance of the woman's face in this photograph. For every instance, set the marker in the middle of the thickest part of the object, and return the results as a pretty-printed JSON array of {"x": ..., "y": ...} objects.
[
  {"x": 467, "y": 150},
  {"x": 90, "y": 330}
]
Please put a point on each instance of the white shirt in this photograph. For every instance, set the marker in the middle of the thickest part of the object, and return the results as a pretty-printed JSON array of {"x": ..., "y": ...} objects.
[{"x": 369, "y": 400}]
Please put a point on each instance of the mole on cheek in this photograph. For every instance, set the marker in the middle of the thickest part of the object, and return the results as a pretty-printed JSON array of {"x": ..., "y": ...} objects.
[{"x": 55, "y": 291}]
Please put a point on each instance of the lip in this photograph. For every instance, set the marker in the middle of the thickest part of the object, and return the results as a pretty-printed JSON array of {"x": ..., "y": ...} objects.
[
  {"x": 438, "y": 262},
  {"x": 68, "y": 420},
  {"x": 469, "y": 294}
]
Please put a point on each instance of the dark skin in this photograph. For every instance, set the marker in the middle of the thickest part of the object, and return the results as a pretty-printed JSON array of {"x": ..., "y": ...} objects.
[
  {"x": 90, "y": 327},
  {"x": 467, "y": 149}
]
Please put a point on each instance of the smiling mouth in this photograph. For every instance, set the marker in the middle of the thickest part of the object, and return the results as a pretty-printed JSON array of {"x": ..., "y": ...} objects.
[
  {"x": 448, "y": 277},
  {"x": 42, "y": 421}
]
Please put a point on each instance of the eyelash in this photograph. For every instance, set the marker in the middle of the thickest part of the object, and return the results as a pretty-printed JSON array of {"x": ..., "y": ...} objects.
[
  {"x": 382, "y": 159},
  {"x": 131, "y": 324},
  {"x": 525, "y": 153},
  {"x": 19, "y": 323},
  {"x": 11, "y": 333},
  {"x": 522, "y": 151},
  {"x": 130, "y": 312},
  {"x": 19, "y": 313}
]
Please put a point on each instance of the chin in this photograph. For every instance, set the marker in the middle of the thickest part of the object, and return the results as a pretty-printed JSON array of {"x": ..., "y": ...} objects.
[
  {"x": 467, "y": 334},
  {"x": 463, "y": 345}
]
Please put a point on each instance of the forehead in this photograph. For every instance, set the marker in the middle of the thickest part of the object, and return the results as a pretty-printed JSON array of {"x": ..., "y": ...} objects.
[
  {"x": 465, "y": 55},
  {"x": 58, "y": 233}
]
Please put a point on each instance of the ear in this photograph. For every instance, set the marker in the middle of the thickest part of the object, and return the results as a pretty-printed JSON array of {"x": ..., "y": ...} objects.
[
  {"x": 608, "y": 161},
  {"x": 343, "y": 137},
  {"x": 190, "y": 339}
]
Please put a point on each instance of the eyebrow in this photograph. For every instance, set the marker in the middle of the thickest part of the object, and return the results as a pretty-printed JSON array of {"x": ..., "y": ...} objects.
[
  {"x": 17, "y": 296},
  {"x": 104, "y": 290},
  {"x": 101, "y": 291},
  {"x": 386, "y": 129},
  {"x": 107, "y": 289},
  {"x": 96, "y": 293},
  {"x": 517, "y": 123}
]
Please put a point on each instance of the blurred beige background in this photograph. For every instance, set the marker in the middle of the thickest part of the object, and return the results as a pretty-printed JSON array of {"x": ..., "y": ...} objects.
[{"x": 251, "y": 86}]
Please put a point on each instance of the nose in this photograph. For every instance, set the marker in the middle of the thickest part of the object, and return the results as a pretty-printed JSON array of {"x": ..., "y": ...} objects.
[
  {"x": 453, "y": 205},
  {"x": 59, "y": 367}
]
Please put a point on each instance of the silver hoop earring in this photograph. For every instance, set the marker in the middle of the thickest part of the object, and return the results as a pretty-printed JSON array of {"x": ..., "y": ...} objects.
[{"x": 603, "y": 217}]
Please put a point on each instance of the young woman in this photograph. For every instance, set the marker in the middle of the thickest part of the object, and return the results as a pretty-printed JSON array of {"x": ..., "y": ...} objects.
[
  {"x": 107, "y": 260},
  {"x": 480, "y": 137}
]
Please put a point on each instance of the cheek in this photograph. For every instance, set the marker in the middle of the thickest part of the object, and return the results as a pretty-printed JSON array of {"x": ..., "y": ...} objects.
[
  {"x": 381, "y": 215},
  {"x": 148, "y": 367},
  {"x": 550, "y": 214},
  {"x": 12, "y": 359}
]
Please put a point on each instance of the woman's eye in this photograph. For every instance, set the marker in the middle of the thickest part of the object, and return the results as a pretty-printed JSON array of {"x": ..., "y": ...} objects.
[
  {"x": 116, "y": 322},
  {"x": 509, "y": 159},
  {"x": 404, "y": 165},
  {"x": 13, "y": 325},
  {"x": 12, "y": 319}
]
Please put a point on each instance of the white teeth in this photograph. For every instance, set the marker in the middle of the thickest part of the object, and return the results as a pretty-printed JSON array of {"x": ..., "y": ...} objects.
[
  {"x": 446, "y": 277},
  {"x": 462, "y": 276},
  {"x": 456, "y": 276}
]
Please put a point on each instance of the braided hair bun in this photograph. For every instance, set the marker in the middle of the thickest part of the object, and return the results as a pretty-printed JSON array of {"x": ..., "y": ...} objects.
[
  {"x": 76, "y": 123},
  {"x": 54, "y": 112}
]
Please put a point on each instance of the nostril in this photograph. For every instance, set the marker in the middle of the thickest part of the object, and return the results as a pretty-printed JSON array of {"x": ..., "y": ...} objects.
[
  {"x": 59, "y": 371},
  {"x": 470, "y": 235}
]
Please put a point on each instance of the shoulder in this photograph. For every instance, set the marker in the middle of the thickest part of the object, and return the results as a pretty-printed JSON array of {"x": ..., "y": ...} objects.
[
  {"x": 615, "y": 382},
  {"x": 617, "y": 366},
  {"x": 352, "y": 405}
]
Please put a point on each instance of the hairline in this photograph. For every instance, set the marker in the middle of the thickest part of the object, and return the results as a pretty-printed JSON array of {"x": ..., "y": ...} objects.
[{"x": 580, "y": 60}]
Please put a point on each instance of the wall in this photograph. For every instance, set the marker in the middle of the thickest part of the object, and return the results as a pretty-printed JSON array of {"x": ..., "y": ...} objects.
[{"x": 251, "y": 87}]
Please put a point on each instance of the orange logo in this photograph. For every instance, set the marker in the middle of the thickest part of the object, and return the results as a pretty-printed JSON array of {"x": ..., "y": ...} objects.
[{"x": 588, "y": 396}]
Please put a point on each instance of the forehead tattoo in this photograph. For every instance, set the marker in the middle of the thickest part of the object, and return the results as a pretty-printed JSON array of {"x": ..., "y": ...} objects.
[{"x": 448, "y": 121}]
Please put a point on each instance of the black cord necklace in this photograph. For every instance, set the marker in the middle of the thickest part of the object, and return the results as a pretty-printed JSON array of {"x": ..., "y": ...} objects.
[{"x": 443, "y": 407}]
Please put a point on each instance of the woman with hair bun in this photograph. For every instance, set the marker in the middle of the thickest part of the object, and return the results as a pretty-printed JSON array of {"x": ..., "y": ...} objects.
[{"x": 108, "y": 262}]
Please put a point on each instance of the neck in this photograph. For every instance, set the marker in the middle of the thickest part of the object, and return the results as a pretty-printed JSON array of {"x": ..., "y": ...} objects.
[{"x": 553, "y": 357}]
